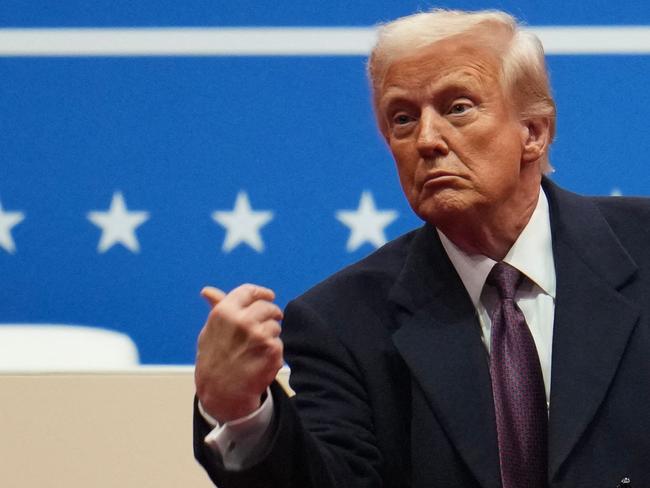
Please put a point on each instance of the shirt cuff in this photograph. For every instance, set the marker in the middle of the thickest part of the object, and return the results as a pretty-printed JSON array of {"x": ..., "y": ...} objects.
[{"x": 239, "y": 441}]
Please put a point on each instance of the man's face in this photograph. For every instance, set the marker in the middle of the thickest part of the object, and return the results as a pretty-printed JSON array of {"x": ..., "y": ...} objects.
[{"x": 455, "y": 138}]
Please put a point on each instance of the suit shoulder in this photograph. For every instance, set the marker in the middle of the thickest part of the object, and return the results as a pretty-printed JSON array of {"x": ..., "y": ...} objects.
[
  {"x": 625, "y": 213},
  {"x": 623, "y": 204},
  {"x": 629, "y": 219}
]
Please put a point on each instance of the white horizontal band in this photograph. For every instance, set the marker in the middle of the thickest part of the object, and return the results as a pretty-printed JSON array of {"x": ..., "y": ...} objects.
[
  {"x": 594, "y": 40},
  {"x": 279, "y": 41},
  {"x": 187, "y": 42}
]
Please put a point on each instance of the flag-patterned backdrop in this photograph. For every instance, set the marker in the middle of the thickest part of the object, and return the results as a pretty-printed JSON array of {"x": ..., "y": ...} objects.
[{"x": 149, "y": 148}]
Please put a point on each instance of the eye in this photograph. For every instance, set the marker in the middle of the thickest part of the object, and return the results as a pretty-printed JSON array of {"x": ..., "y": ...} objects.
[
  {"x": 460, "y": 107},
  {"x": 401, "y": 119}
]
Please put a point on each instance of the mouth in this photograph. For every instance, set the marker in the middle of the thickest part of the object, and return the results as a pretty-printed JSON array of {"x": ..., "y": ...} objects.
[{"x": 438, "y": 178}]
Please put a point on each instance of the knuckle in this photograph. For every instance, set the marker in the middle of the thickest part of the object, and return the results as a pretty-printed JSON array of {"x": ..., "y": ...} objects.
[
  {"x": 224, "y": 307},
  {"x": 219, "y": 310},
  {"x": 278, "y": 362},
  {"x": 271, "y": 311},
  {"x": 269, "y": 344},
  {"x": 258, "y": 336},
  {"x": 243, "y": 317},
  {"x": 250, "y": 289},
  {"x": 264, "y": 311},
  {"x": 275, "y": 328},
  {"x": 275, "y": 349},
  {"x": 226, "y": 312}
]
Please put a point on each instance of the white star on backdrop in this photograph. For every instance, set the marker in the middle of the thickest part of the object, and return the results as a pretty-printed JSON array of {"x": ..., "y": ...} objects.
[
  {"x": 366, "y": 224},
  {"x": 118, "y": 225},
  {"x": 7, "y": 221},
  {"x": 243, "y": 224}
]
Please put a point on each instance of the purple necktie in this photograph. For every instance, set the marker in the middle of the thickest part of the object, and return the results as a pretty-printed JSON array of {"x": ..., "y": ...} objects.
[{"x": 518, "y": 388}]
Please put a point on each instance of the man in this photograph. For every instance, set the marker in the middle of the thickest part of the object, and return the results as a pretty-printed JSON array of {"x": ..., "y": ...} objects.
[{"x": 432, "y": 362}]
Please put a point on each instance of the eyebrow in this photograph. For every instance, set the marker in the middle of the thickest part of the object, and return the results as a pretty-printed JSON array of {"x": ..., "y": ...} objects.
[
  {"x": 395, "y": 95},
  {"x": 392, "y": 96}
]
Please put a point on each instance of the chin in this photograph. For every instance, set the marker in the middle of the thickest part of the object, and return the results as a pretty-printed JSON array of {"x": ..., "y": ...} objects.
[{"x": 441, "y": 210}]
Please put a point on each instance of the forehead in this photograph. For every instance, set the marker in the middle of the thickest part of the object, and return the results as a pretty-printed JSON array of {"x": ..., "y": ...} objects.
[{"x": 460, "y": 60}]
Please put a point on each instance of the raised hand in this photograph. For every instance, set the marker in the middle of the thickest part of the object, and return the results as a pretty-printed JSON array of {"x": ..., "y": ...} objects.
[{"x": 239, "y": 351}]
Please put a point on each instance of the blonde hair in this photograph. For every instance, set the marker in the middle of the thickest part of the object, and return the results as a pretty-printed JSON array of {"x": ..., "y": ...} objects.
[{"x": 523, "y": 68}]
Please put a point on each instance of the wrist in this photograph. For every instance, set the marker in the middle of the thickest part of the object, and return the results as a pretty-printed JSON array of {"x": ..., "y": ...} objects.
[{"x": 224, "y": 412}]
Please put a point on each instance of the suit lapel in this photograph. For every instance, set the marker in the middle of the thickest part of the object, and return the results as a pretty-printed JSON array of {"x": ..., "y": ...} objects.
[
  {"x": 440, "y": 341},
  {"x": 593, "y": 320}
]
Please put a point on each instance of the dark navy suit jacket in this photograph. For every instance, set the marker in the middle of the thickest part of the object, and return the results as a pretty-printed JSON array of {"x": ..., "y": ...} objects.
[{"x": 393, "y": 381}]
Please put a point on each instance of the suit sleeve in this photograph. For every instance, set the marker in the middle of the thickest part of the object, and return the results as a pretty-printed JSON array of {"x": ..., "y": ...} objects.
[{"x": 323, "y": 437}]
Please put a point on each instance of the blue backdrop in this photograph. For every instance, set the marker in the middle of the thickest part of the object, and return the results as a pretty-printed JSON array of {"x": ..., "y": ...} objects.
[{"x": 179, "y": 138}]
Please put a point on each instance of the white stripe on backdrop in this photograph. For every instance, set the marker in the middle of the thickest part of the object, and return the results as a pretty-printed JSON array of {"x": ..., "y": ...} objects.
[{"x": 279, "y": 41}]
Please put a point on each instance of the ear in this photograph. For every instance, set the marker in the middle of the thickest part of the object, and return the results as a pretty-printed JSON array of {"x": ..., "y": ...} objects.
[{"x": 535, "y": 138}]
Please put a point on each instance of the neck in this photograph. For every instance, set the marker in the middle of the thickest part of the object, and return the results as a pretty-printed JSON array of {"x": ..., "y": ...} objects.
[{"x": 492, "y": 232}]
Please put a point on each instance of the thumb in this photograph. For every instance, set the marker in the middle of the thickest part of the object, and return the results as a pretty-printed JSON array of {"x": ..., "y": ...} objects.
[{"x": 212, "y": 295}]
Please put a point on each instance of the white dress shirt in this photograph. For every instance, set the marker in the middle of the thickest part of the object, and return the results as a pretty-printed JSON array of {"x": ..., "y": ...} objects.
[
  {"x": 532, "y": 255},
  {"x": 239, "y": 441}
]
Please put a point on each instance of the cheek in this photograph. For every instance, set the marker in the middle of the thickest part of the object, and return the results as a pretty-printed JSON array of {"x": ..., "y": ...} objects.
[
  {"x": 483, "y": 142},
  {"x": 406, "y": 164},
  {"x": 493, "y": 152},
  {"x": 405, "y": 156}
]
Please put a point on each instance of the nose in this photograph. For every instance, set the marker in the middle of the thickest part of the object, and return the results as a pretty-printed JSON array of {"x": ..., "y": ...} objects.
[{"x": 431, "y": 141}]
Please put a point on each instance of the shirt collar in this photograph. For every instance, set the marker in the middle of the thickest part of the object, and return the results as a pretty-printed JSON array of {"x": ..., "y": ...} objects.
[{"x": 532, "y": 254}]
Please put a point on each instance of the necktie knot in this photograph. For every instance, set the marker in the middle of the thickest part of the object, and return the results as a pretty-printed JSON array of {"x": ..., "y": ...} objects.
[{"x": 506, "y": 279}]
